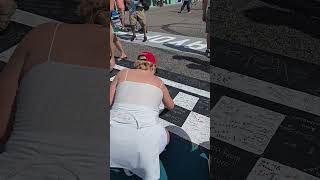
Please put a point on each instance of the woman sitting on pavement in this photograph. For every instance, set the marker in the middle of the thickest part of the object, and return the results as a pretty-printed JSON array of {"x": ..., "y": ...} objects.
[{"x": 136, "y": 136}]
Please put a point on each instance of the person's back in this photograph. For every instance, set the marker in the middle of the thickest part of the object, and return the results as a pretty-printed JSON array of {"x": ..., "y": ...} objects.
[
  {"x": 136, "y": 136},
  {"x": 139, "y": 88}
]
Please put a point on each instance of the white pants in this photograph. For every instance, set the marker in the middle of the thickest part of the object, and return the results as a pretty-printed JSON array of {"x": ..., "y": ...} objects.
[{"x": 163, "y": 140}]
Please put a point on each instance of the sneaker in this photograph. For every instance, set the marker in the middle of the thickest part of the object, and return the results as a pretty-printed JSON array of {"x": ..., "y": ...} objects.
[
  {"x": 189, "y": 12},
  {"x": 179, "y": 12},
  {"x": 145, "y": 39}
]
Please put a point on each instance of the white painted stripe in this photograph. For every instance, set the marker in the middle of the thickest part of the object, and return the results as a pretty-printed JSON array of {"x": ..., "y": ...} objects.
[
  {"x": 30, "y": 19},
  {"x": 5, "y": 56},
  {"x": 184, "y": 87},
  {"x": 173, "y": 42},
  {"x": 118, "y": 67},
  {"x": 244, "y": 125},
  {"x": 272, "y": 92}
]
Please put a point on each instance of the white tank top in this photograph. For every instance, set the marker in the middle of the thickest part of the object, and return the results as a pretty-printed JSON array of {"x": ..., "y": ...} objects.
[{"x": 136, "y": 103}]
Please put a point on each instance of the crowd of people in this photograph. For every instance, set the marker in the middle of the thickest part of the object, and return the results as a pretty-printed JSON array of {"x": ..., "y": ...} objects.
[{"x": 136, "y": 10}]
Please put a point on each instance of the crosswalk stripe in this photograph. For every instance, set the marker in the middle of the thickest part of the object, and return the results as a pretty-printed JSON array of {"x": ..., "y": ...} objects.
[
  {"x": 30, "y": 19},
  {"x": 185, "y": 44},
  {"x": 269, "y": 91}
]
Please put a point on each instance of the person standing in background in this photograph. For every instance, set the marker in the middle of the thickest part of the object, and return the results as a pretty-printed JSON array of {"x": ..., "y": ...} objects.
[
  {"x": 121, "y": 9},
  {"x": 206, "y": 19},
  {"x": 113, "y": 37},
  {"x": 186, "y": 3},
  {"x": 136, "y": 14}
]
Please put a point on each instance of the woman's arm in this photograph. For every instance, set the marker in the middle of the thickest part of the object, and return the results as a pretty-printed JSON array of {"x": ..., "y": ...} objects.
[
  {"x": 9, "y": 80},
  {"x": 167, "y": 100}
]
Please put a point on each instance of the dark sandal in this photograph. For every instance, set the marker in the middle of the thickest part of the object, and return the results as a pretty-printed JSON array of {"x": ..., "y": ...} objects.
[{"x": 133, "y": 38}]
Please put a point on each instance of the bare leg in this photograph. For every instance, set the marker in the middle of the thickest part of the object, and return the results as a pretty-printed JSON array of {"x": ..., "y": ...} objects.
[
  {"x": 112, "y": 58},
  {"x": 118, "y": 45}
]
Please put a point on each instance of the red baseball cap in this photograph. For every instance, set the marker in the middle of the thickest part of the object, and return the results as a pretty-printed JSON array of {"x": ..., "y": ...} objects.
[{"x": 149, "y": 57}]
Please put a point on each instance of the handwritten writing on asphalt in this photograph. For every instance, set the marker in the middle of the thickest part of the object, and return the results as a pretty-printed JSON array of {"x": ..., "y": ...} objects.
[
  {"x": 243, "y": 125},
  {"x": 223, "y": 157},
  {"x": 266, "y": 169},
  {"x": 172, "y": 40}
]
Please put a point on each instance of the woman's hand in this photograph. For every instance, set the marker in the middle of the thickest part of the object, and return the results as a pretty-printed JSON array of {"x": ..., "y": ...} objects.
[{"x": 167, "y": 100}]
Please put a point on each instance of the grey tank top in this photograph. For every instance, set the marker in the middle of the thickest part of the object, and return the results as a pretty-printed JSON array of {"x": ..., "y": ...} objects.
[{"x": 61, "y": 125}]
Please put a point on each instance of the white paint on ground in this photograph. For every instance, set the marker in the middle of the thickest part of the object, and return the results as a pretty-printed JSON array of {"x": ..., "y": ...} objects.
[
  {"x": 162, "y": 39},
  {"x": 179, "y": 43},
  {"x": 266, "y": 169},
  {"x": 30, "y": 19},
  {"x": 185, "y": 101},
  {"x": 244, "y": 125},
  {"x": 198, "y": 128},
  {"x": 272, "y": 92},
  {"x": 177, "y": 85}
]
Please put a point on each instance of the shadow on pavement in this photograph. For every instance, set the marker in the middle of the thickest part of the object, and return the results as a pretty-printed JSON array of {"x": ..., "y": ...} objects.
[
  {"x": 196, "y": 63},
  {"x": 298, "y": 21},
  {"x": 167, "y": 28}
]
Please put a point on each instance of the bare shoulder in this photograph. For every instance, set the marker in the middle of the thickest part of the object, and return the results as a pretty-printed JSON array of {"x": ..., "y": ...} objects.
[{"x": 159, "y": 80}]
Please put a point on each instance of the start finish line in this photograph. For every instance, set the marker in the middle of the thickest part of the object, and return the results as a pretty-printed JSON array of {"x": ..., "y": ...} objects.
[{"x": 168, "y": 41}]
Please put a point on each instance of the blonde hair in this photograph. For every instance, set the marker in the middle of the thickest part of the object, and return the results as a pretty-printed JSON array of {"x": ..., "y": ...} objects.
[
  {"x": 142, "y": 64},
  {"x": 95, "y": 11}
]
